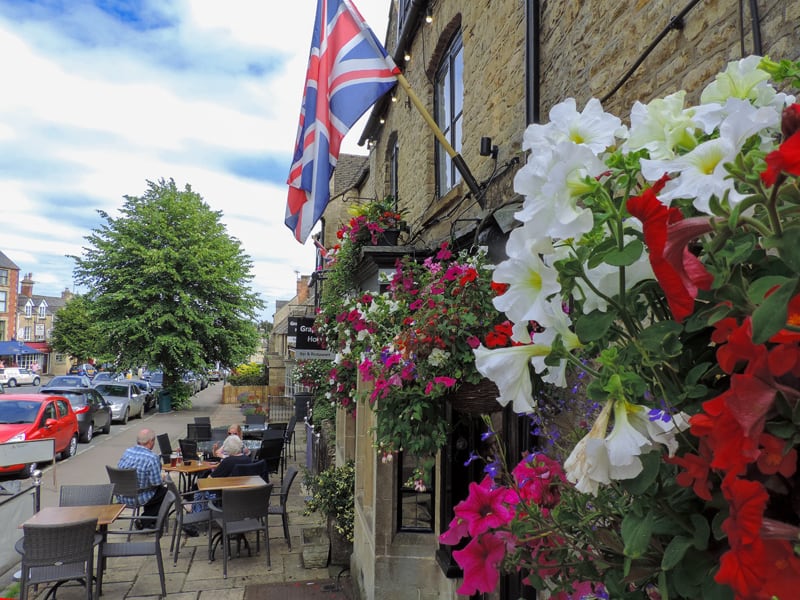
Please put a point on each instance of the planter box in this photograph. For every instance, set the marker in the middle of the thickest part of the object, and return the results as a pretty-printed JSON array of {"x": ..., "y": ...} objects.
[
  {"x": 316, "y": 548},
  {"x": 245, "y": 394}
]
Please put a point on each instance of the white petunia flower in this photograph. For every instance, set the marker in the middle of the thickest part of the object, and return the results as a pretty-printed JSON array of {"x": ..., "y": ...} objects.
[
  {"x": 592, "y": 127},
  {"x": 560, "y": 325},
  {"x": 551, "y": 184},
  {"x": 701, "y": 173},
  {"x": 744, "y": 80},
  {"x": 662, "y": 126},
  {"x": 531, "y": 282},
  {"x": 508, "y": 368},
  {"x": 588, "y": 466},
  {"x": 660, "y": 432}
]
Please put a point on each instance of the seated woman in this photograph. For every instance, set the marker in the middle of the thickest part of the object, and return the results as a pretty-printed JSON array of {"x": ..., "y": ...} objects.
[
  {"x": 232, "y": 449},
  {"x": 235, "y": 429}
]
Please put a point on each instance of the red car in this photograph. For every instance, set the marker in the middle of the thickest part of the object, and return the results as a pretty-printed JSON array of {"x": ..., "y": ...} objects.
[{"x": 36, "y": 417}]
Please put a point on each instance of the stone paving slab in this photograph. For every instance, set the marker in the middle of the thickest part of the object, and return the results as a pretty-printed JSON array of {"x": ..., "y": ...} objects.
[{"x": 194, "y": 578}]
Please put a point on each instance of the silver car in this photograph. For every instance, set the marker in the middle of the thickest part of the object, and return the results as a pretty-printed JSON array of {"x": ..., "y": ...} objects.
[{"x": 125, "y": 398}]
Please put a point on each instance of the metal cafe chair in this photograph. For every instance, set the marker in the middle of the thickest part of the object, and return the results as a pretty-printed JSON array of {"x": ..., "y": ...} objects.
[
  {"x": 58, "y": 553},
  {"x": 280, "y": 508},
  {"x": 146, "y": 542},
  {"x": 200, "y": 432},
  {"x": 242, "y": 511},
  {"x": 86, "y": 495}
]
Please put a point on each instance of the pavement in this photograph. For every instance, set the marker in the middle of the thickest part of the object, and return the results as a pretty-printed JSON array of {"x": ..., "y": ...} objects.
[{"x": 194, "y": 577}]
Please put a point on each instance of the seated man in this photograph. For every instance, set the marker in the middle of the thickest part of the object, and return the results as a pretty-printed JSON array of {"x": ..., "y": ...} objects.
[
  {"x": 236, "y": 430},
  {"x": 148, "y": 470},
  {"x": 232, "y": 451}
]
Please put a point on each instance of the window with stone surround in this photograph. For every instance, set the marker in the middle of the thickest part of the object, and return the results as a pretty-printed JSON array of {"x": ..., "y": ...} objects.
[
  {"x": 29, "y": 309},
  {"x": 3, "y": 276},
  {"x": 448, "y": 107},
  {"x": 3, "y": 302},
  {"x": 415, "y": 505}
]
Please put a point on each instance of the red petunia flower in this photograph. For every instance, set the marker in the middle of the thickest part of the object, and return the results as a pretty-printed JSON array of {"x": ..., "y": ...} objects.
[
  {"x": 695, "y": 475},
  {"x": 480, "y": 560},
  {"x": 773, "y": 459},
  {"x": 786, "y": 159},
  {"x": 747, "y": 501},
  {"x": 667, "y": 234},
  {"x": 484, "y": 508}
]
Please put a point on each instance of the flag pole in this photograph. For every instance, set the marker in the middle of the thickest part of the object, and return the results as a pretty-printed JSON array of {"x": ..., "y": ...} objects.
[{"x": 457, "y": 159}]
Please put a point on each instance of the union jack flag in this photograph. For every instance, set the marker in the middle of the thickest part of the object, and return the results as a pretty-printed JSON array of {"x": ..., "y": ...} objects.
[{"x": 348, "y": 71}]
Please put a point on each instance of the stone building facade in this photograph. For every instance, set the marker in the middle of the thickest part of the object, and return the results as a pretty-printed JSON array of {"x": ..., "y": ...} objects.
[
  {"x": 9, "y": 288},
  {"x": 500, "y": 65}
]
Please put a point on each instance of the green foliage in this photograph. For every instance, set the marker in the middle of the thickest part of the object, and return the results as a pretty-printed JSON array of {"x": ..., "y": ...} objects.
[
  {"x": 75, "y": 332},
  {"x": 168, "y": 285},
  {"x": 248, "y": 374},
  {"x": 332, "y": 494}
]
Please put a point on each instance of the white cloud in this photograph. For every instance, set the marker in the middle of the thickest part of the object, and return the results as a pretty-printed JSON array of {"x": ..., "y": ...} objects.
[{"x": 96, "y": 104}]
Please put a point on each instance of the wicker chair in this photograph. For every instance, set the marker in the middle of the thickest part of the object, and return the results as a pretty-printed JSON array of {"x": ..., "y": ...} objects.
[
  {"x": 200, "y": 432},
  {"x": 289, "y": 438},
  {"x": 58, "y": 553},
  {"x": 271, "y": 452},
  {"x": 86, "y": 495},
  {"x": 188, "y": 449},
  {"x": 242, "y": 511},
  {"x": 164, "y": 447},
  {"x": 184, "y": 501},
  {"x": 126, "y": 485},
  {"x": 280, "y": 508},
  {"x": 255, "y": 419},
  {"x": 139, "y": 546},
  {"x": 257, "y": 467}
]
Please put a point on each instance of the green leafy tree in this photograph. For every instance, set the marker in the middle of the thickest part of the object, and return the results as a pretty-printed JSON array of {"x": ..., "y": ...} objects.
[
  {"x": 168, "y": 285},
  {"x": 75, "y": 332}
]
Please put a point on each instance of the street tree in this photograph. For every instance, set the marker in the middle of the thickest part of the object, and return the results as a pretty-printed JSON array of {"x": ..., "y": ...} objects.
[
  {"x": 169, "y": 286},
  {"x": 75, "y": 332}
]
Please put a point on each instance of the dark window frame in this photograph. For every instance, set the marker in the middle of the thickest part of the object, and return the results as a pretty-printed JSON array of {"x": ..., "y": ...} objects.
[{"x": 404, "y": 492}]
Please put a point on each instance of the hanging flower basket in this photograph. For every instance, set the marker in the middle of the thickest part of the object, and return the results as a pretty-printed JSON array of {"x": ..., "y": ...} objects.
[{"x": 476, "y": 398}]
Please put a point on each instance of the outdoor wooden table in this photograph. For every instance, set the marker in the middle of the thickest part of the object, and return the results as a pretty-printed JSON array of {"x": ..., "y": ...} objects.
[
  {"x": 228, "y": 483},
  {"x": 59, "y": 515},
  {"x": 188, "y": 471}
]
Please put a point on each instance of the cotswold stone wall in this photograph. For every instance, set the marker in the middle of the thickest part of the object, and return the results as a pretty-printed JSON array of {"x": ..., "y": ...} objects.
[{"x": 588, "y": 45}]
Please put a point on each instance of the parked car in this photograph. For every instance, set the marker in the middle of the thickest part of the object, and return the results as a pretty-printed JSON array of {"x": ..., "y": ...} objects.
[
  {"x": 87, "y": 369},
  {"x": 13, "y": 376},
  {"x": 148, "y": 391},
  {"x": 191, "y": 382},
  {"x": 214, "y": 375},
  {"x": 104, "y": 376},
  {"x": 26, "y": 417},
  {"x": 125, "y": 398},
  {"x": 91, "y": 409},
  {"x": 67, "y": 381},
  {"x": 156, "y": 380}
]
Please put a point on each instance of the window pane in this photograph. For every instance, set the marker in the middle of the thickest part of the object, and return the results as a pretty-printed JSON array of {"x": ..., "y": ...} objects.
[
  {"x": 3, "y": 276},
  {"x": 457, "y": 146},
  {"x": 458, "y": 80},
  {"x": 3, "y": 300}
]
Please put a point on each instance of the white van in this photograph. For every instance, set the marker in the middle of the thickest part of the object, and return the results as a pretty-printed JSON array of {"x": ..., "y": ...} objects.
[{"x": 12, "y": 377}]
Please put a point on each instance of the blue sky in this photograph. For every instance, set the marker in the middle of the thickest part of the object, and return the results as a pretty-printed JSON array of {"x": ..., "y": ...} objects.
[{"x": 100, "y": 96}]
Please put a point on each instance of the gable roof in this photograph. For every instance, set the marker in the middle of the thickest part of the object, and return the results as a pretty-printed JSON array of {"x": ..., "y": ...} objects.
[
  {"x": 7, "y": 263},
  {"x": 350, "y": 170}
]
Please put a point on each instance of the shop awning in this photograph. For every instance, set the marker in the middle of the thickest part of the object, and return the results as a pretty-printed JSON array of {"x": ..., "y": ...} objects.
[{"x": 16, "y": 349}]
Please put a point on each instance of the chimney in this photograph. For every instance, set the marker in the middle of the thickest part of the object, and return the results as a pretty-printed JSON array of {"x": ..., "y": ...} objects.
[
  {"x": 66, "y": 294},
  {"x": 26, "y": 286},
  {"x": 302, "y": 289}
]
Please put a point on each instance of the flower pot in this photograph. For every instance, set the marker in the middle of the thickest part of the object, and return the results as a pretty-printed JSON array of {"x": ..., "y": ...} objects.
[
  {"x": 316, "y": 548},
  {"x": 341, "y": 548},
  {"x": 389, "y": 237},
  {"x": 476, "y": 398}
]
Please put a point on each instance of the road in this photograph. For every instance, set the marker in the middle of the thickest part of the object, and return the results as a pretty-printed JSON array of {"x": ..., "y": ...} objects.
[{"x": 89, "y": 464}]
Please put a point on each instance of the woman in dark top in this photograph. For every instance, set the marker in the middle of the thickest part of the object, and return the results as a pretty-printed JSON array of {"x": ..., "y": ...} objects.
[{"x": 232, "y": 449}]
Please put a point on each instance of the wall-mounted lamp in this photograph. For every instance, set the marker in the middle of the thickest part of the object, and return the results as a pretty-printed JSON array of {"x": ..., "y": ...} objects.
[
  {"x": 382, "y": 120},
  {"x": 394, "y": 97},
  {"x": 487, "y": 149},
  {"x": 407, "y": 56},
  {"x": 429, "y": 15}
]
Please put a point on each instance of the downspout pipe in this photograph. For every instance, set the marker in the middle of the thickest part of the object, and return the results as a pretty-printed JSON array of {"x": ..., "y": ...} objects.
[{"x": 532, "y": 73}]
